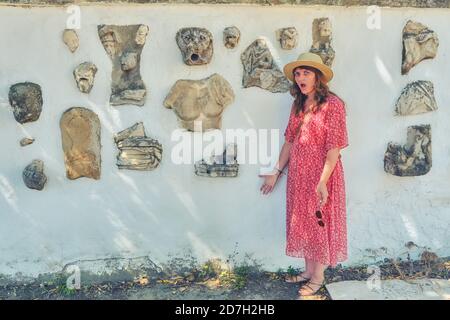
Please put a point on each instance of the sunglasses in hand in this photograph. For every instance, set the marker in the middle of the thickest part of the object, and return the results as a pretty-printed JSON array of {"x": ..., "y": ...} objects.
[{"x": 319, "y": 216}]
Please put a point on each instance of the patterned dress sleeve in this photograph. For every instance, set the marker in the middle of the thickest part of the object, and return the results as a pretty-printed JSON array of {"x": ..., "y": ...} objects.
[
  {"x": 291, "y": 128},
  {"x": 336, "y": 128}
]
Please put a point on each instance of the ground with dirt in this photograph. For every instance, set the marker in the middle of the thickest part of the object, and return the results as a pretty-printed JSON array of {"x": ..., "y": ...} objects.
[{"x": 211, "y": 282}]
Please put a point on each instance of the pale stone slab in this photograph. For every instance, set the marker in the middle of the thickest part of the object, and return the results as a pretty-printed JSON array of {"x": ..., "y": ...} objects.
[{"x": 395, "y": 289}]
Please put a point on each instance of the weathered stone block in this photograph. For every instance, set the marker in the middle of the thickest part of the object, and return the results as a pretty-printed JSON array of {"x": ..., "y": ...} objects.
[
  {"x": 33, "y": 175},
  {"x": 80, "y": 132},
  {"x": 196, "y": 45},
  {"x": 224, "y": 165},
  {"x": 231, "y": 37},
  {"x": 124, "y": 45},
  {"x": 200, "y": 102},
  {"x": 322, "y": 36},
  {"x": 260, "y": 69},
  {"x": 26, "y": 101},
  {"x": 137, "y": 151},
  {"x": 412, "y": 159},
  {"x": 419, "y": 43},
  {"x": 84, "y": 75},
  {"x": 288, "y": 37},
  {"x": 417, "y": 97}
]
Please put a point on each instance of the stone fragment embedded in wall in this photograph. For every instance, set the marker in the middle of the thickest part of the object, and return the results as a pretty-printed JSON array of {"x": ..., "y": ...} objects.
[
  {"x": 196, "y": 45},
  {"x": 419, "y": 43},
  {"x": 80, "y": 133},
  {"x": 26, "y": 101},
  {"x": 124, "y": 45},
  {"x": 322, "y": 36},
  {"x": 26, "y": 141},
  {"x": 84, "y": 76},
  {"x": 231, "y": 37},
  {"x": 70, "y": 38},
  {"x": 288, "y": 37},
  {"x": 417, "y": 97},
  {"x": 260, "y": 69},
  {"x": 199, "y": 104},
  {"x": 223, "y": 165},
  {"x": 412, "y": 159},
  {"x": 137, "y": 151},
  {"x": 33, "y": 175}
]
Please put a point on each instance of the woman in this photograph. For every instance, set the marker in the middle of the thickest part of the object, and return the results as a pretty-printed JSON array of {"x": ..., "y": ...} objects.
[{"x": 315, "y": 203}]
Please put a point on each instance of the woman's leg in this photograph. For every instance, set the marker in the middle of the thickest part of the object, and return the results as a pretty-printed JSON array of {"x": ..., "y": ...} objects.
[
  {"x": 318, "y": 275},
  {"x": 308, "y": 269},
  {"x": 317, "y": 278}
]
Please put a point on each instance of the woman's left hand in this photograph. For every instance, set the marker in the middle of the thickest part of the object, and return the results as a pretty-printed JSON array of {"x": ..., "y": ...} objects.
[{"x": 322, "y": 193}]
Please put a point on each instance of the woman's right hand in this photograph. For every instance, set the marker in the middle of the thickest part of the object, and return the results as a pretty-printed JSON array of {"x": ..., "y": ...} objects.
[{"x": 270, "y": 180}]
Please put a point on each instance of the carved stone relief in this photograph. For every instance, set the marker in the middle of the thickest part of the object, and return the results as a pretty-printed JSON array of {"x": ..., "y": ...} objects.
[
  {"x": 260, "y": 69},
  {"x": 322, "y": 36},
  {"x": 288, "y": 37},
  {"x": 412, "y": 159},
  {"x": 70, "y": 38},
  {"x": 80, "y": 132},
  {"x": 231, "y": 37},
  {"x": 33, "y": 175},
  {"x": 137, "y": 151},
  {"x": 417, "y": 97},
  {"x": 26, "y": 101},
  {"x": 84, "y": 76},
  {"x": 196, "y": 45},
  {"x": 124, "y": 45},
  {"x": 26, "y": 141},
  {"x": 224, "y": 165},
  {"x": 419, "y": 43},
  {"x": 200, "y": 102}
]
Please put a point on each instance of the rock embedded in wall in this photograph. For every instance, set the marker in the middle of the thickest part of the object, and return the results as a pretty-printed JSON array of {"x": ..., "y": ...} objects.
[
  {"x": 223, "y": 165},
  {"x": 80, "y": 133},
  {"x": 419, "y": 43},
  {"x": 25, "y": 99},
  {"x": 26, "y": 141},
  {"x": 84, "y": 75},
  {"x": 288, "y": 37},
  {"x": 196, "y": 45},
  {"x": 199, "y": 104},
  {"x": 231, "y": 37},
  {"x": 137, "y": 151},
  {"x": 260, "y": 69},
  {"x": 322, "y": 36},
  {"x": 417, "y": 97},
  {"x": 412, "y": 159},
  {"x": 70, "y": 38},
  {"x": 124, "y": 45},
  {"x": 33, "y": 175}
]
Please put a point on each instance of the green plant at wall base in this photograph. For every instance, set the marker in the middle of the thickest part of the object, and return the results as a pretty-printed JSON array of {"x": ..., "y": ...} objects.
[
  {"x": 65, "y": 291},
  {"x": 232, "y": 280},
  {"x": 206, "y": 271},
  {"x": 60, "y": 283},
  {"x": 292, "y": 271}
]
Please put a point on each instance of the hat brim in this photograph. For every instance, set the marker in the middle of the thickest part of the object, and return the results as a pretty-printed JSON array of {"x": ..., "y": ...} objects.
[{"x": 290, "y": 67}]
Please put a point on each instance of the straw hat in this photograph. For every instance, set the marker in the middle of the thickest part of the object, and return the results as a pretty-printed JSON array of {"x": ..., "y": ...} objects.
[{"x": 308, "y": 59}]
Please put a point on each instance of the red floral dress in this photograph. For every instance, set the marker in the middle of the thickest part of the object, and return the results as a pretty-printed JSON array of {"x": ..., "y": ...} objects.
[{"x": 326, "y": 129}]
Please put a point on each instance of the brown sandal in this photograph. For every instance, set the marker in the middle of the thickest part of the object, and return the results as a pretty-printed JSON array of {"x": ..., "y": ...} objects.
[
  {"x": 313, "y": 291},
  {"x": 296, "y": 279}
]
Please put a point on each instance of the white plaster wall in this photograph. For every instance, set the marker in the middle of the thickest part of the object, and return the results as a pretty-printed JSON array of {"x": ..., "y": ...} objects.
[{"x": 164, "y": 213}]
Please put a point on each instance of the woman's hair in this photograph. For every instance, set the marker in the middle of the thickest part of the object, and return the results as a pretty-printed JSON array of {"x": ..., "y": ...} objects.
[{"x": 320, "y": 96}]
